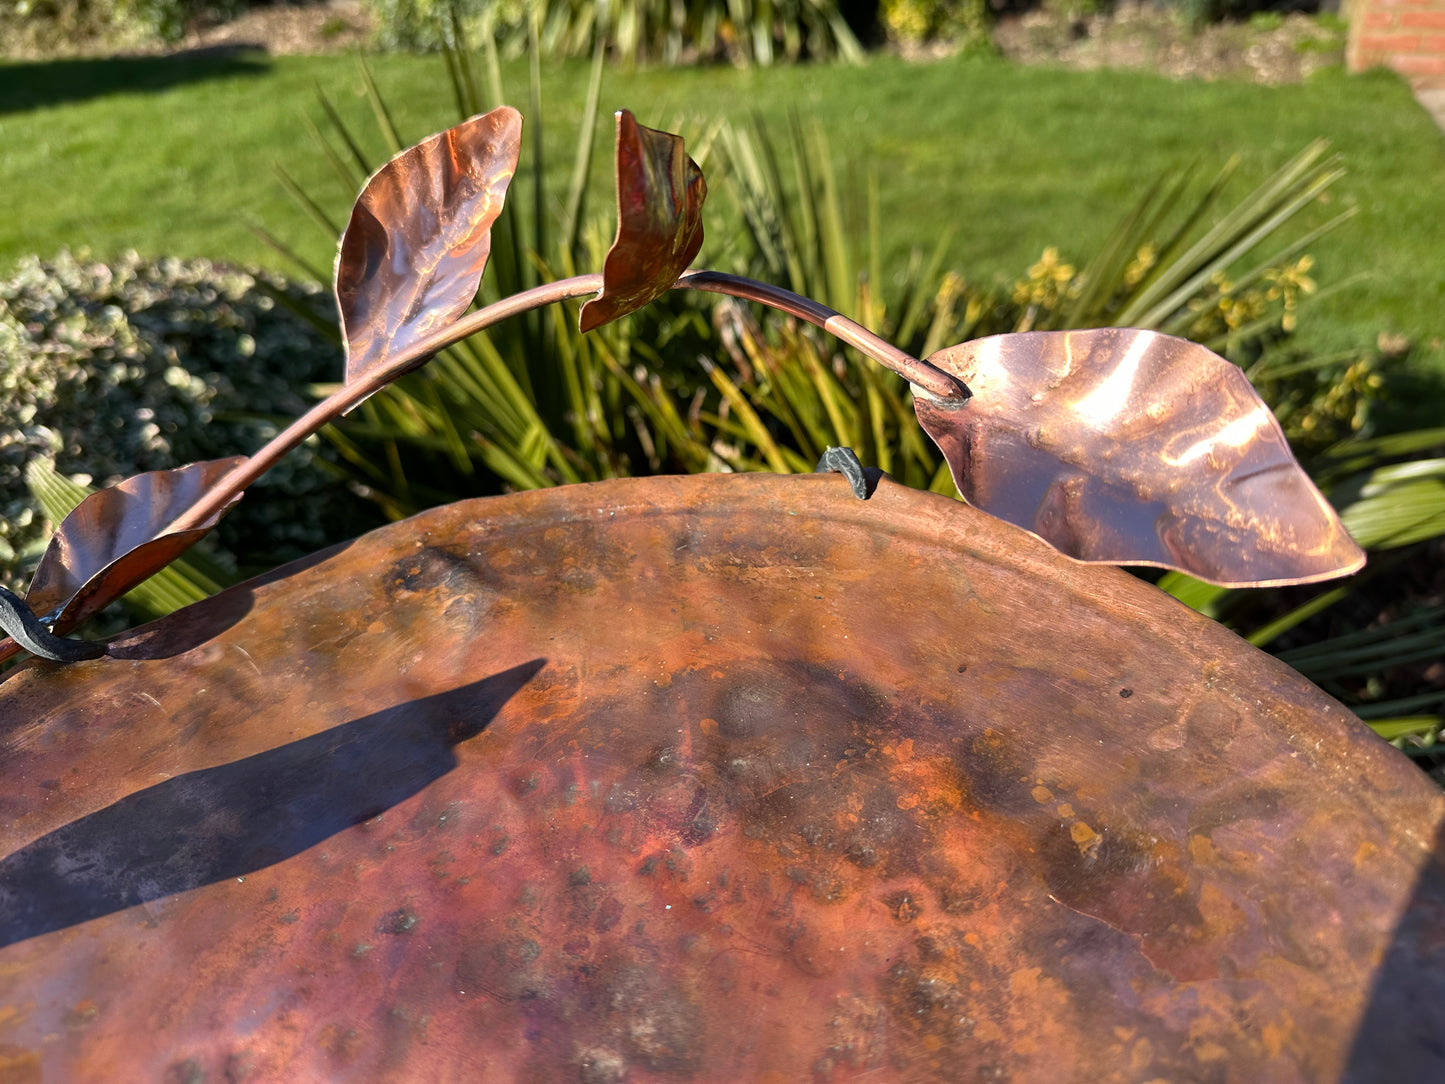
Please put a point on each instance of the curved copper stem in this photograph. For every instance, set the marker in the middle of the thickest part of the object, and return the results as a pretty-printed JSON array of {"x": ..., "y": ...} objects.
[
  {"x": 933, "y": 380},
  {"x": 937, "y": 383},
  {"x": 353, "y": 394}
]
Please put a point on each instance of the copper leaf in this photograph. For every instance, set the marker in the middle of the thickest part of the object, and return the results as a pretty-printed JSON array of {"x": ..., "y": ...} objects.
[
  {"x": 1131, "y": 447},
  {"x": 660, "y": 191},
  {"x": 413, "y": 253},
  {"x": 117, "y": 537}
]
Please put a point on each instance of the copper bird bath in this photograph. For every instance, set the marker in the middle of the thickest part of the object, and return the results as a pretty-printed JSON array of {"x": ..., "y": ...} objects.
[
  {"x": 718, "y": 778},
  {"x": 726, "y": 778}
]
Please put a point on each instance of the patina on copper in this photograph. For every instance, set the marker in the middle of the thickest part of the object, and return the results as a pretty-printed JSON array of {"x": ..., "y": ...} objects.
[
  {"x": 660, "y": 191},
  {"x": 720, "y": 778},
  {"x": 1131, "y": 447},
  {"x": 412, "y": 255},
  {"x": 118, "y": 537}
]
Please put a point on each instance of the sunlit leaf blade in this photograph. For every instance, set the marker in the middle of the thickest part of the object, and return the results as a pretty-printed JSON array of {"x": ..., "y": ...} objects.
[
  {"x": 660, "y": 191},
  {"x": 116, "y": 538},
  {"x": 1395, "y": 505},
  {"x": 412, "y": 255},
  {"x": 1130, "y": 447}
]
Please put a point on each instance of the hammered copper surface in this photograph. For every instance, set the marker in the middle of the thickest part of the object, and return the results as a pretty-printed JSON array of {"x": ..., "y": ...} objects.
[
  {"x": 413, "y": 253},
  {"x": 1131, "y": 447},
  {"x": 660, "y": 191},
  {"x": 116, "y": 538},
  {"x": 725, "y": 778}
]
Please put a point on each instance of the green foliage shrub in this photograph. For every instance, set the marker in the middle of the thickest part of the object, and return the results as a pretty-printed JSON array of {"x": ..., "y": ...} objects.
[
  {"x": 1262, "y": 12},
  {"x": 108, "y": 370},
  {"x": 647, "y": 31},
  {"x": 915, "y": 21},
  {"x": 167, "y": 19},
  {"x": 61, "y": 23},
  {"x": 414, "y": 25}
]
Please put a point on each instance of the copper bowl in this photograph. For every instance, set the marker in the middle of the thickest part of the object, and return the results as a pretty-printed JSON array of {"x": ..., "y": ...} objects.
[{"x": 714, "y": 778}]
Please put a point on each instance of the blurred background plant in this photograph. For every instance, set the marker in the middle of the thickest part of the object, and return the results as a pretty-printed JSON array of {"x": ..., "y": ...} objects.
[
  {"x": 108, "y": 370},
  {"x": 914, "y": 23},
  {"x": 634, "y": 31},
  {"x": 49, "y": 25}
]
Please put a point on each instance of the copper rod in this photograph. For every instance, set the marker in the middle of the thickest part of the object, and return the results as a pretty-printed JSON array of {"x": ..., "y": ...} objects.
[
  {"x": 368, "y": 384},
  {"x": 932, "y": 380}
]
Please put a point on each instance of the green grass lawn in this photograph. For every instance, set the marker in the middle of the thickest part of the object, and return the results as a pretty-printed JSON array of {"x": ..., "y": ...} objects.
[{"x": 174, "y": 156}]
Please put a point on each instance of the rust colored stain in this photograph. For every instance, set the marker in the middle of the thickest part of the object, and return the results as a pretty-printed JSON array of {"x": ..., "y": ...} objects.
[{"x": 707, "y": 779}]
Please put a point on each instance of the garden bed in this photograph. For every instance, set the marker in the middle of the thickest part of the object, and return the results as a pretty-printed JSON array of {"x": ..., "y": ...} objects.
[{"x": 1270, "y": 49}]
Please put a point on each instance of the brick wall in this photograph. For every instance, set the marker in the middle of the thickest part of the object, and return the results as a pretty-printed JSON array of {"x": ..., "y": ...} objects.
[{"x": 1406, "y": 35}]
